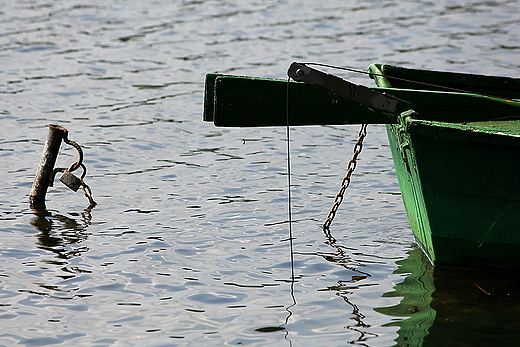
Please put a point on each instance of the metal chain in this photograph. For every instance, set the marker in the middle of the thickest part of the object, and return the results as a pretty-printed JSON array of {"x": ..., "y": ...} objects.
[
  {"x": 88, "y": 194},
  {"x": 73, "y": 167},
  {"x": 77, "y": 164},
  {"x": 86, "y": 188},
  {"x": 346, "y": 180}
]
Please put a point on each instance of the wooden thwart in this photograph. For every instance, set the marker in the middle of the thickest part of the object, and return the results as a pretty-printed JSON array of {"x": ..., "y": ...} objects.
[{"x": 238, "y": 101}]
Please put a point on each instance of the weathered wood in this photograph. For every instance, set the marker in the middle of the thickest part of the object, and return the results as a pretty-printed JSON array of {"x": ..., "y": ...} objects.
[
  {"x": 459, "y": 181},
  {"x": 234, "y": 101},
  {"x": 404, "y": 78},
  {"x": 49, "y": 156}
]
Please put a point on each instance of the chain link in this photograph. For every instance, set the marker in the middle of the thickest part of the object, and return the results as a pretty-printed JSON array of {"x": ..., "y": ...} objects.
[
  {"x": 346, "y": 180},
  {"x": 88, "y": 194},
  {"x": 77, "y": 164},
  {"x": 86, "y": 188}
]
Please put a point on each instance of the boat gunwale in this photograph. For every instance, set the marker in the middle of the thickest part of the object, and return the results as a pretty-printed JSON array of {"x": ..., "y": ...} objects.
[{"x": 461, "y": 132}]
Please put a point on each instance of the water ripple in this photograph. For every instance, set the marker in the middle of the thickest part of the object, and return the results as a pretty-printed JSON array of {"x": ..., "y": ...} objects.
[{"x": 189, "y": 241}]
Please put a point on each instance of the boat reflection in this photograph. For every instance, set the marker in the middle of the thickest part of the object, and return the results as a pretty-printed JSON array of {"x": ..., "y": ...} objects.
[
  {"x": 61, "y": 234},
  {"x": 414, "y": 314},
  {"x": 446, "y": 306}
]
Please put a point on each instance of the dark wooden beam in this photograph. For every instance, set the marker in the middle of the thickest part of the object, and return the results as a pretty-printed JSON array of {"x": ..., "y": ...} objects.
[
  {"x": 237, "y": 101},
  {"x": 233, "y": 101}
]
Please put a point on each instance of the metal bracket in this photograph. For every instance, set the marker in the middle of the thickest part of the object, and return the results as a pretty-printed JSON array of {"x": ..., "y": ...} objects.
[{"x": 357, "y": 93}]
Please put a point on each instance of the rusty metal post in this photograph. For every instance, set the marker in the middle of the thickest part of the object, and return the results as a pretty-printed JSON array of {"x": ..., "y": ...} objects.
[{"x": 49, "y": 155}]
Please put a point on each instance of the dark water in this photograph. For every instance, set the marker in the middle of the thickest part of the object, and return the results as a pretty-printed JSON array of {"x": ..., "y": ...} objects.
[{"x": 188, "y": 244}]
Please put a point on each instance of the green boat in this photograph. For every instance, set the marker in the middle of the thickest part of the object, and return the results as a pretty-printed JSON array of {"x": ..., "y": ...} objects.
[{"x": 454, "y": 137}]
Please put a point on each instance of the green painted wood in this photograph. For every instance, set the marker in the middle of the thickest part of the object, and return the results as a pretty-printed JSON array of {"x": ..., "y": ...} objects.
[
  {"x": 399, "y": 77},
  {"x": 459, "y": 181},
  {"x": 506, "y": 127},
  {"x": 232, "y": 101},
  {"x": 456, "y": 107},
  {"x": 411, "y": 188},
  {"x": 209, "y": 97},
  {"x": 235, "y": 101}
]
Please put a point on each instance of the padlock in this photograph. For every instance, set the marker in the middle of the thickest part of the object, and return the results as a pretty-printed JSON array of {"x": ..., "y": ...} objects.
[{"x": 70, "y": 180}]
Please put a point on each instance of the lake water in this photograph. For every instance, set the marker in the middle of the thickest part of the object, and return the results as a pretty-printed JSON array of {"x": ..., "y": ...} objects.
[{"x": 188, "y": 244}]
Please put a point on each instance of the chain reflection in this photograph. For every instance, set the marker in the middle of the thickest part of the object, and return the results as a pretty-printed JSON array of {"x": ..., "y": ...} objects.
[{"x": 341, "y": 256}]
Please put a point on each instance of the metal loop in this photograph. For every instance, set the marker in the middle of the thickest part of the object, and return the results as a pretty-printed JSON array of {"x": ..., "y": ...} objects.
[
  {"x": 84, "y": 171},
  {"x": 77, "y": 164},
  {"x": 53, "y": 175}
]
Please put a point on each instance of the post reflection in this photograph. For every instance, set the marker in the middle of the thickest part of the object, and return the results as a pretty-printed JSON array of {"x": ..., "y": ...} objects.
[{"x": 61, "y": 234}]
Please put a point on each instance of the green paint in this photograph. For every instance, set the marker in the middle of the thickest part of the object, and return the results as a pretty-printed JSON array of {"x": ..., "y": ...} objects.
[
  {"x": 459, "y": 181},
  {"x": 237, "y": 101},
  {"x": 233, "y": 101}
]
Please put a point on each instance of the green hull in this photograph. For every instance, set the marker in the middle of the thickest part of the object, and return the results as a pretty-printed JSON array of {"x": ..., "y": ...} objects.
[{"x": 460, "y": 182}]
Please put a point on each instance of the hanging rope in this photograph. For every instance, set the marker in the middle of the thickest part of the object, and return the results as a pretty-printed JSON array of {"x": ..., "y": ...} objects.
[
  {"x": 289, "y": 210},
  {"x": 289, "y": 183}
]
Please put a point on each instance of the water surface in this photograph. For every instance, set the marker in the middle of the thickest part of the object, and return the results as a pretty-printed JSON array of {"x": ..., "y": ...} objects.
[{"x": 188, "y": 244}]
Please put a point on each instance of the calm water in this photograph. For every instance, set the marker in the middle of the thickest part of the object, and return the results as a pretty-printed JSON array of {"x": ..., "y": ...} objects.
[{"x": 188, "y": 244}]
